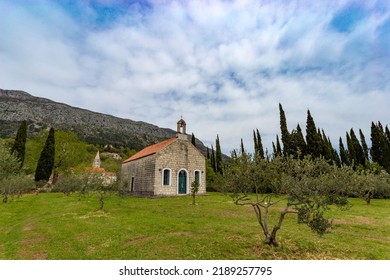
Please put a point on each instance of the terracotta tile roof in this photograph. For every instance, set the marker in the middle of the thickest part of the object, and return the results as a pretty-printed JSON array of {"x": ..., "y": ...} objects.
[{"x": 150, "y": 150}]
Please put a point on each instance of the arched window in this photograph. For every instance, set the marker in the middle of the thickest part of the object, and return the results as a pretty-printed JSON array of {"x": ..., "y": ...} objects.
[
  {"x": 166, "y": 177},
  {"x": 197, "y": 176}
]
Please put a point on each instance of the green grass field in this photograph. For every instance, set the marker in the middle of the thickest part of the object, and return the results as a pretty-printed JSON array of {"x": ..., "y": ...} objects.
[{"x": 53, "y": 226}]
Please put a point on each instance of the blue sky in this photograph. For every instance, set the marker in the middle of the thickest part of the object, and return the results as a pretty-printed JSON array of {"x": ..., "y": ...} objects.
[{"x": 222, "y": 65}]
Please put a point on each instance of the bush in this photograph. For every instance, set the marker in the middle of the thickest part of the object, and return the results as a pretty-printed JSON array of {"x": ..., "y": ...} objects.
[{"x": 15, "y": 185}]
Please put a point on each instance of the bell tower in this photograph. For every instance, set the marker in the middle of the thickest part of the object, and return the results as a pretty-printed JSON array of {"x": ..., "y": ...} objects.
[{"x": 181, "y": 130}]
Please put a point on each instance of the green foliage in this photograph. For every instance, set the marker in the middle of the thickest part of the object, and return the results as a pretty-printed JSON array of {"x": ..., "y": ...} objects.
[
  {"x": 70, "y": 184},
  {"x": 111, "y": 164},
  {"x": 9, "y": 163},
  {"x": 71, "y": 152},
  {"x": 134, "y": 228},
  {"x": 297, "y": 143},
  {"x": 46, "y": 160},
  {"x": 306, "y": 187},
  {"x": 218, "y": 156},
  {"x": 259, "y": 150},
  {"x": 193, "y": 140},
  {"x": 343, "y": 154},
  {"x": 370, "y": 183},
  {"x": 212, "y": 178},
  {"x": 194, "y": 191},
  {"x": 285, "y": 133},
  {"x": 19, "y": 147},
  {"x": 313, "y": 139},
  {"x": 15, "y": 185},
  {"x": 277, "y": 150},
  {"x": 87, "y": 183},
  {"x": 380, "y": 149}
]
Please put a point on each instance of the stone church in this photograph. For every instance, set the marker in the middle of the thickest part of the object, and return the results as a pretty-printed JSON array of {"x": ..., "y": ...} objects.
[{"x": 167, "y": 168}]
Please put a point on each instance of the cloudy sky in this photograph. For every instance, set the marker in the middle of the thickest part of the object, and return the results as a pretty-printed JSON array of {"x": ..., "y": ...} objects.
[{"x": 222, "y": 65}]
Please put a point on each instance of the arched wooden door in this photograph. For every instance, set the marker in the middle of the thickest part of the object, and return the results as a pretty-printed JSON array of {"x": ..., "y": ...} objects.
[{"x": 182, "y": 186}]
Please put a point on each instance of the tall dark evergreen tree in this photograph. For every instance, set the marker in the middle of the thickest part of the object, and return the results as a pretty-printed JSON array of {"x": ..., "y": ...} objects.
[
  {"x": 212, "y": 161},
  {"x": 274, "y": 151},
  {"x": 218, "y": 156},
  {"x": 46, "y": 160},
  {"x": 387, "y": 133},
  {"x": 364, "y": 146},
  {"x": 193, "y": 140},
  {"x": 259, "y": 150},
  {"x": 242, "y": 147},
  {"x": 301, "y": 140},
  {"x": 360, "y": 159},
  {"x": 351, "y": 151},
  {"x": 380, "y": 149},
  {"x": 19, "y": 147},
  {"x": 284, "y": 131},
  {"x": 343, "y": 154},
  {"x": 278, "y": 148},
  {"x": 255, "y": 142},
  {"x": 313, "y": 140},
  {"x": 329, "y": 151},
  {"x": 207, "y": 153}
]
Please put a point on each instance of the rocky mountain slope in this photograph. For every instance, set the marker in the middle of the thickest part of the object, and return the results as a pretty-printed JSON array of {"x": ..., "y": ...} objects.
[{"x": 92, "y": 127}]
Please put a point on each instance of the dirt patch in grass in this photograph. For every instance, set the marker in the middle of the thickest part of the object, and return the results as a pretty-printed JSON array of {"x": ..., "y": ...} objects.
[
  {"x": 353, "y": 220},
  {"x": 34, "y": 240},
  {"x": 30, "y": 250},
  {"x": 96, "y": 214},
  {"x": 137, "y": 240},
  {"x": 28, "y": 227},
  {"x": 182, "y": 234}
]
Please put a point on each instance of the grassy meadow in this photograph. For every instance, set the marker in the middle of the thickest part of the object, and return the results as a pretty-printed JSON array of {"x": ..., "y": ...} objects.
[{"x": 53, "y": 226}]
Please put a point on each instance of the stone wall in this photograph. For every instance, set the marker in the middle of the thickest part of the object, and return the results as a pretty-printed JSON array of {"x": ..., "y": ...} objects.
[
  {"x": 143, "y": 171},
  {"x": 180, "y": 155},
  {"x": 148, "y": 171}
]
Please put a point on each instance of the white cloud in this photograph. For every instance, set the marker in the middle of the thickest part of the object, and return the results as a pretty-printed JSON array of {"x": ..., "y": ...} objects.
[{"x": 223, "y": 65}]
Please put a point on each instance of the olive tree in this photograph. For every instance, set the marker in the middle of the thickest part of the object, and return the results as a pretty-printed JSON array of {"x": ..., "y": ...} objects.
[
  {"x": 370, "y": 183},
  {"x": 15, "y": 186},
  {"x": 302, "y": 187},
  {"x": 87, "y": 183},
  {"x": 11, "y": 181},
  {"x": 194, "y": 191}
]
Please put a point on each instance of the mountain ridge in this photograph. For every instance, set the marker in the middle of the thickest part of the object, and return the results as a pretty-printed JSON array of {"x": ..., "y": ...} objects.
[{"x": 92, "y": 127}]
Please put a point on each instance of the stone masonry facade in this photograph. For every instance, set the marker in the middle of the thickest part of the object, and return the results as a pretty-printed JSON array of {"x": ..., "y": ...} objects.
[{"x": 146, "y": 174}]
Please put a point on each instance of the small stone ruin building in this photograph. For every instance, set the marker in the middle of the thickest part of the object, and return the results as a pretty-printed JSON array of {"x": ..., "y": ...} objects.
[{"x": 167, "y": 168}]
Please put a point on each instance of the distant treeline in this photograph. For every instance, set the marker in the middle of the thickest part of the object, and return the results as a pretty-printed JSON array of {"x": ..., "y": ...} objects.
[{"x": 353, "y": 152}]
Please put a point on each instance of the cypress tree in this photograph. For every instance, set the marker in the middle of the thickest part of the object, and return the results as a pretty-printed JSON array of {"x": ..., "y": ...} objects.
[
  {"x": 351, "y": 151},
  {"x": 387, "y": 133},
  {"x": 213, "y": 159},
  {"x": 260, "y": 149},
  {"x": 46, "y": 160},
  {"x": 364, "y": 145},
  {"x": 242, "y": 147},
  {"x": 218, "y": 156},
  {"x": 274, "y": 152},
  {"x": 278, "y": 148},
  {"x": 328, "y": 148},
  {"x": 300, "y": 141},
  {"x": 256, "y": 143},
  {"x": 375, "y": 143},
  {"x": 336, "y": 158},
  {"x": 207, "y": 153},
  {"x": 284, "y": 131},
  {"x": 193, "y": 140},
  {"x": 359, "y": 153},
  {"x": 313, "y": 147},
  {"x": 380, "y": 150},
  {"x": 343, "y": 154},
  {"x": 19, "y": 147}
]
